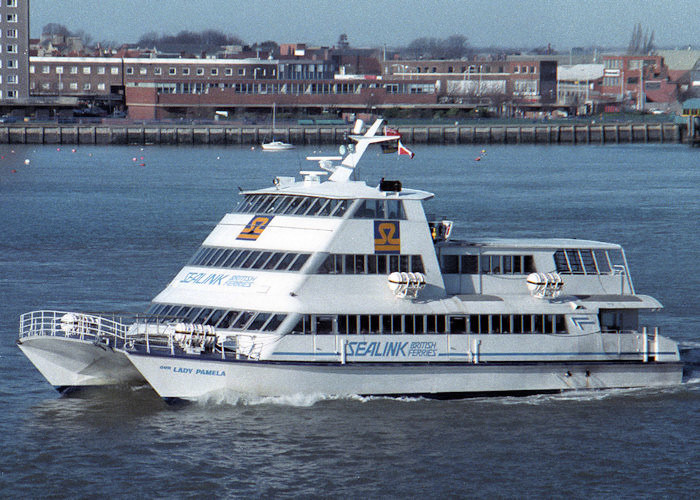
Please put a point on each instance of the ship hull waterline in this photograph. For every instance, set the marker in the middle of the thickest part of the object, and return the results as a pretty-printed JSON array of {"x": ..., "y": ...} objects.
[
  {"x": 187, "y": 379},
  {"x": 70, "y": 364}
]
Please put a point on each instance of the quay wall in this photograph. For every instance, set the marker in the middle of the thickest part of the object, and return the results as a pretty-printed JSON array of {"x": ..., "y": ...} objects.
[{"x": 420, "y": 134}]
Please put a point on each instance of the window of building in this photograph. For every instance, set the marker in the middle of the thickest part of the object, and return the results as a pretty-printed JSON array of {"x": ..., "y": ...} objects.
[
  {"x": 129, "y": 70},
  {"x": 101, "y": 70},
  {"x": 86, "y": 86},
  {"x": 143, "y": 70},
  {"x": 46, "y": 86},
  {"x": 45, "y": 69},
  {"x": 73, "y": 70},
  {"x": 228, "y": 71},
  {"x": 114, "y": 70},
  {"x": 200, "y": 71},
  {"x": 11, "y": 3},
  {"x": 172, "y": 71},
  {"x": 12, "y": 63},
  {"x": 11, "y": 18},
  {"x": 11, "y": 94},
  {"x": 74, "y": 86},
  {"x": 87, "y": 70},
  {"x": 157, "y": 70},
  {"x": 100, "y": 86},
  {"x": 11, "y": 33},
  {"x": 12, "y": 49},
  {"x": 214, "y": 71},
  {"x": 59, "y": 70},
  {"x": 185, "y": 71},
  {"x": 31, "y": 68}
]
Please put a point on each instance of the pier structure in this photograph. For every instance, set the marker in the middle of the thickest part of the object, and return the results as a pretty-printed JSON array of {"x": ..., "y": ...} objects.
[{"x": 215, "y": 134}]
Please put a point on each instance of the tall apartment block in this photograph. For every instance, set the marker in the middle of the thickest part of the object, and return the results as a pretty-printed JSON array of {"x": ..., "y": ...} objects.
[{"x": 14, "y": 51}]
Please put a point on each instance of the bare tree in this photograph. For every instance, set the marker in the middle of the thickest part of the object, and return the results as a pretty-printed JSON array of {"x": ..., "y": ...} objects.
[
  {"x": 452, "y": 47},
  {"x": 641, "y": 43}
]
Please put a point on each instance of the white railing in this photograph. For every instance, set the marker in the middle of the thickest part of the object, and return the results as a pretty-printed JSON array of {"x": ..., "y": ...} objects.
[{"x": 80, "y": 326}]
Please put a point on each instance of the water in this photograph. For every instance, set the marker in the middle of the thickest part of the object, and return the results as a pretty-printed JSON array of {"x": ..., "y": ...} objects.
[{"x": 94, "y": 230}]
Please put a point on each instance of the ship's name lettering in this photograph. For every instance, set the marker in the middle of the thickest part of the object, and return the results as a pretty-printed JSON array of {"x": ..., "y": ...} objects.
[
  {"x": 198, "y": 371},
  {"x": 218, "y": 279},
  {"x": 379, "y": 349}
]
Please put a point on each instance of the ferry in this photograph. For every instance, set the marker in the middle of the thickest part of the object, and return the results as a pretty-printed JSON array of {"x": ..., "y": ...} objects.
[{"x": 326, "y": 285}]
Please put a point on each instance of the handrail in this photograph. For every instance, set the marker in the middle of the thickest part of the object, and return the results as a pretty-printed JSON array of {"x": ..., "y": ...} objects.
[{"x": 81, "y": 326}]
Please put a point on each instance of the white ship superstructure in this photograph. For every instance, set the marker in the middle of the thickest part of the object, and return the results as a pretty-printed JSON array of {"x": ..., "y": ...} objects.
[{"x": 327, "y": 285}]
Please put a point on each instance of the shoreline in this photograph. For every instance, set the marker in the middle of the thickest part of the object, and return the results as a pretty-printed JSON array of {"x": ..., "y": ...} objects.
[{"x": 214, "y": 134}]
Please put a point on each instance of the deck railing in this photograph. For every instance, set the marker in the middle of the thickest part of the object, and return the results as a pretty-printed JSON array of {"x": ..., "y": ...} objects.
[{"x": 80, "y": 326}]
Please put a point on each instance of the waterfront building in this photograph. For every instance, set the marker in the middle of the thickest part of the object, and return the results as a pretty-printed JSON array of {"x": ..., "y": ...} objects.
[
  {"x": 578, "y": 86},
  {"x": 635, "y": 80},
  {"x": 14, "y": 51}
]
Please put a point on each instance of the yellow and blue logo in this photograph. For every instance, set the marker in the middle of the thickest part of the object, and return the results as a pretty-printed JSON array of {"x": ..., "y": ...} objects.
[
  {"x": 255, "y": 227},
  {"x": 387, "y": 238}
]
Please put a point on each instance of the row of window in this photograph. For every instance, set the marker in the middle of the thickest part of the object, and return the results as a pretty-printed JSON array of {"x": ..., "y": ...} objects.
[
  {"x": 200, "y": 71},
  {"x": 71, "y": 86},
  {"x": 380, "y": 209},
  {"x": 249, "y": 259},
  {"x": 220, "y": 318},
  {"x": 574, "y": 261},
  {"x": 345, "y": 324},
  {"x": 487, "y": 264},
  {"x": 86, "y": 70},
  {"x": 370, "y": 264},
  {"x": 293, "y": 205}
]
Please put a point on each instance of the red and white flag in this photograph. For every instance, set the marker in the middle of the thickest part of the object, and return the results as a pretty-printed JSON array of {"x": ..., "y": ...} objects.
[
  {"x": 390, "y": 131},
  {"x": 403, "y": 150}
]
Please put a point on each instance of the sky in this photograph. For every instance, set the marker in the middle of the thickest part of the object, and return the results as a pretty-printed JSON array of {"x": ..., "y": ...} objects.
[{"x": 373, "y": 23}]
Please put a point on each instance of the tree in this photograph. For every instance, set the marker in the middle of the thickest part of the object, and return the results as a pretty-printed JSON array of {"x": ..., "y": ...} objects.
[
  {"x": 452, "y": 47},
  {"x": 641, "y": 43},
  {"x": 55, "y": 29}
]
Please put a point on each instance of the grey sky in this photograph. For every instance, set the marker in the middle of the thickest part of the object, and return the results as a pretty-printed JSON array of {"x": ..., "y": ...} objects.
[{"x": 526, "y": 23}]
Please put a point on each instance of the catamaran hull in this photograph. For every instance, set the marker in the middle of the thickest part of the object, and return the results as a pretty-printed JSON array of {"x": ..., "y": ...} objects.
[
  {"x": 72, "y": 363},
  {"x": 182, "y": 378}
]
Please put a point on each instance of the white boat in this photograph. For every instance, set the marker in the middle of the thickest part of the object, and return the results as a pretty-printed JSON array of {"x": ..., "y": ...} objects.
[
  {"x": 275, "y": 145},
  {"x": 336, "y": 287}
]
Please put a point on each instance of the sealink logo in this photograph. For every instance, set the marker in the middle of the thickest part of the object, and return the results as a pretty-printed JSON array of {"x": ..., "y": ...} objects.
[
  {"x": 380, "y": 349},
  {"x": 387, "y": 238},
  {"x": 255, "y": 227},
  {"x": 219, "y": 279}
]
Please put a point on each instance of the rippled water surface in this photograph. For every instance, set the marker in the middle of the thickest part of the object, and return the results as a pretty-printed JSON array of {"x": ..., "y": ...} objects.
[{"x": 105, "y": 228}]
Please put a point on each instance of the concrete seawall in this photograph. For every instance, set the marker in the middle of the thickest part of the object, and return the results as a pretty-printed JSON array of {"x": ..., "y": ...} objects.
[{"x": 250, "y": 135}]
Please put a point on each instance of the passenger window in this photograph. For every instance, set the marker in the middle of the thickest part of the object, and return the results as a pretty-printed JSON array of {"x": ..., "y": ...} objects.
[
  {"x": 395, "y": 209},
  {"x": 243, "y": 319},
  {"x": 326, "y": 266},
  {"x": 228, "y": 318},
  {"x": 601, "y": 259},
  {"x": 574, "y": 261},
  {"x": 588, "y": 262},
  {"x": 273, "y": 260},
  {"x": 286, "y": 260},
  {"x": 371, "y": 264},
  {"x": 450, "y": 264},
  {"x": 251, "y": 258},
  {"x": 470, "y": 264},
  {"x": 259, "y": 321},
  {"x": 458, "y": 324},
  {"x": 299, "y": 262},
  {"x": 275, "y": 322},
  {"x": 417, "y": 264},
  {"x": 324, "y": 324},
  {"x": 529, "y": 264},
  {"x": 381, "y": 264},
  {"x": 258, "y": 264}
]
